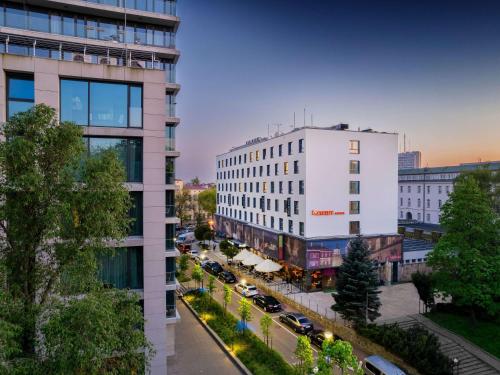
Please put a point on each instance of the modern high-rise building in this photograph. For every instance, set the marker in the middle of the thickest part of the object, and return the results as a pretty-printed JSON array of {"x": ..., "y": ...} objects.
[
  {"x": 409, "y": 159},
  {"x": 109, "y": 66},
  {"x": 299, "y": 198}
]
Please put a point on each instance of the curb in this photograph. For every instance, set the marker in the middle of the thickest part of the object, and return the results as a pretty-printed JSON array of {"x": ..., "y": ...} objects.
[{"x": 220, "y": 343}]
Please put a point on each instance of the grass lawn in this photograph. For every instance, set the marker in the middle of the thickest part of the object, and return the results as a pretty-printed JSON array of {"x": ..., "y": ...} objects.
[{"x": 486, "y": 335}]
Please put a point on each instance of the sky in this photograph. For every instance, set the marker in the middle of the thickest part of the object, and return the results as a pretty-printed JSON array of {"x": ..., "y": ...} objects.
[{"x": 427, "y": 69}]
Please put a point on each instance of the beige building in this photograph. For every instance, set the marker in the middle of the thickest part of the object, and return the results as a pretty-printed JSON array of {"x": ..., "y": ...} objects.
[
  {"x": 195, "y": 208},
  {"x": 113, "y": 74}
]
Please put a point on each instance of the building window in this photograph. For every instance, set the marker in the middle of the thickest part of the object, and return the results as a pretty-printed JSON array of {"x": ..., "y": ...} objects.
[
  {"x": 301, "y": 229},
  {"x": 400, "y": 214},
  {"x": 354, "y": 227},
  {"x": 418, "y": 202},
  {"x": 290, "y": 187},
  {"x": 101, "y": 103},
  {"x": 285, "y": 168},
  {"x": 353, "y": 187},
  {"x": 280, "y": 150},
  {"x": 261, "y": 169},
  {"x": 170, "y": 237},
  {"x": 276, "y": 205},
  {"x": 272, "y": 187},
  {"x": 296, "y": 207},
  {"x": 268, "y": 170},
  {"x": 264, "y": 153},
  {"x": 250, "y": 156},
  {"x": 128, "y": 151},
  {"x": 272, "y": 222},
  {"x": 439, "y": 203},
  {"x": 447, "y": 190},
  {"x": 169, "y": 171},
  {"x": 268, "y": 204},
  {"x": 401, "y": 189},
  {"x": 301, "y": 187},
  {"x": 428, "y": 203},
  {"x": 354, "y": 166},
  {"x": 257, "y": 155},
  {"x": 401, "y": 202},
  {"x": 280, "y": 186},
  {"x": 354, "y": 147},
  {"x": 354, "y": 207},
  {"x": 409, "y": 189},
  {"x": 296, "y": 167},
  {"x": 428, "y": 217},
  {"x": 281, "y": 224},
  {"x": 440, "y": 189},
  {"x": 301, "y": 146},
  {"x": 122, "y": 267},
  {"x": 135, "y": 213},
  {"x": 271, "y": 152},
  {"x": 289, "y": 148},
  {"x": 290, "y": 226},
  {"x": 264, "y": 187},
  {"x": 169, "y": 203},
  {"x": 276, "y": 169},
  {"x": 419, "y": 189},
  {"x": 169, "y": 138},
  {"x": 20, "y": 93},
  {"x": 409, "y": 202},
  {"x": 419, "y": 216},
  {"x": 428, "y": 189}
]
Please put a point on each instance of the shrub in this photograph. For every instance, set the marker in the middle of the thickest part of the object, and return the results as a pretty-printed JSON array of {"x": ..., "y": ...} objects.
[{"x": 417, "y": 346}]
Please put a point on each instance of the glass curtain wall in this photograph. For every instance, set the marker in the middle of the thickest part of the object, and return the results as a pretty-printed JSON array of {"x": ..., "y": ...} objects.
[{"x": 122, "y": 268}]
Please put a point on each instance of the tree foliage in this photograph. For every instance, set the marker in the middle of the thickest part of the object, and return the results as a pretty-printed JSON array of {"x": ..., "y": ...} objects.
[
  {"x": 203, "y": 232},
  {"x": 425, "y": 287},
  {"x": 337, "y": 353},
  {"x": 207, "y": 201},
  {"x": 211, "y": 285},
  {"x": 183, "y": 263},
  {"x": 489, "y": 183},
  {"x": 304, "y": 354},
  {"x": 466, "y": 259},
  {"x": 59, "y": 209},
  {"x": 197, "y": 274},
  {"x": 228, "y": 296},
  {"x": 183, "y": 205},
  {"x": 195, "y": 181},
  {"x": 265, "y": 325},
  {"x": 229, "y": 250},
  {"x": 357, "y": 283},
  {"x": 245, "y": 311}
]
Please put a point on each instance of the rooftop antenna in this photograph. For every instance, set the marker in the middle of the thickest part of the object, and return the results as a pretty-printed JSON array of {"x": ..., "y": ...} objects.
[
  {"x": 294, "y": 119},
  {"x": 304, "y": 116}
]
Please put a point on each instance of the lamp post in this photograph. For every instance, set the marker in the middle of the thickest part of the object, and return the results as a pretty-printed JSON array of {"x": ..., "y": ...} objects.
[{"x": 456, "y": 363}]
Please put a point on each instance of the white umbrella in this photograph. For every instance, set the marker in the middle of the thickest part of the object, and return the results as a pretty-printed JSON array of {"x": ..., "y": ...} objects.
[
  {"x": 252, "y": 260},
  {"x": 268, "y": 266},
  {"x": 242, "y": 255}
]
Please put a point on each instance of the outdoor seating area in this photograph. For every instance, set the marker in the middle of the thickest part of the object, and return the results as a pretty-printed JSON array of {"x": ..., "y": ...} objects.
[{"x": 256, "y": 266}]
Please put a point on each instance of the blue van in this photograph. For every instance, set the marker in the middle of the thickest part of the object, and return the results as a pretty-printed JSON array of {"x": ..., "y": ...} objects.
[{"x": 375, "y": 365}]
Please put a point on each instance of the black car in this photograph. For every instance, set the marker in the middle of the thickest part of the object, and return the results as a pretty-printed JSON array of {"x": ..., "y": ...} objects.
[
  {"x": 317, "y": 337},
  {"x": 298, "y": 322},
  {"x": 214, "y": 268},
  {"x": 268, "y": 303},
  {"x": 227, "y": 277}
]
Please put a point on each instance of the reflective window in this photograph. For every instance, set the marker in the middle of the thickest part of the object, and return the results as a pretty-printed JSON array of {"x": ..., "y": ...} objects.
[
  {"x": 55, "y": 24},
  {"x": 108, "y": 104},
  {"x": 15, "y": 18},
  {"x": 39, "y": 21},
  {"x": 20, "y": 94},
  {"x": 69, "y": 26},
  {"x": 135, "y": 213},
  {"x": 122, "y": 268},
  {"x": 74, "y": 101},
  {"x": 135, "y": 106}
]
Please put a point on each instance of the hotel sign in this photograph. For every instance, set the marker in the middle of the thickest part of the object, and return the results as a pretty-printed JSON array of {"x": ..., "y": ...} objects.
[{"x": 326, "y": 212}]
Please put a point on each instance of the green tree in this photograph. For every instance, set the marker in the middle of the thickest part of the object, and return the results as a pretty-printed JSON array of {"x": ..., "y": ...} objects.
[
  {"x": 228, "y": 297},
  {"x": 228, "y": 250},
  {"x": 59, "y": 208},
  {"x": 304, "y": 354},
  {"x": 211, "y": 285},
  {"x": 202, "y": 232},
  {"x": 489, "y": 183},
  {"x": 337, "y": 353},
  {"x": 425, "y": 287},
  {"x": 265, "y": 325},
  {"x": 195, "y": 181},
  {"x": 197, "y": 275},
  {"x": 207, "y": 201},
  {"x": 357, "y": 295},
  {"x": 183, "y": 263},
  {"x": 245, "y": 311},
  {"x": 183, "y": 205},
  {"x": 466, "y": 259}
]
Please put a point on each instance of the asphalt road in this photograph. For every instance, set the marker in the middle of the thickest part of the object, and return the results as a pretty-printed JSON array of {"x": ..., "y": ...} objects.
[{"x": 283, "y": 339}]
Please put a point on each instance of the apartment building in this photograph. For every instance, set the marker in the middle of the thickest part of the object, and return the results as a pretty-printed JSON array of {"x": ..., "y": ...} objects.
[
  {"x": 109, "y": 66},
  {"x": 423, "y": 191},
  {"x": 300, "y": 197}
]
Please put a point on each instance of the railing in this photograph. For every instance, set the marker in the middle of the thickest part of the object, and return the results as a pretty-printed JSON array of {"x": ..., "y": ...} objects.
[
  {"x": 171, "y": 311},
  {"x": 170, "y": 106},
  {"x": 170, "y": 277},
  {"x": 170, "y": 210},
  {"x": 156, "y": 6}
]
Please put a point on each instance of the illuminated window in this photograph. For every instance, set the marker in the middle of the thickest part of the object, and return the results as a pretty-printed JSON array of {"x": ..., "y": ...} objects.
[
  {"x": 354, "y": 207},
  {"x": 257, "y": 155},
  {"x": 354, "y": 166},
  {"x": 354, "y": 147},
  {"x": 251, "y": 156},
  {"x": 264, "y": 187},
  {"x": 285, "y": 167}
]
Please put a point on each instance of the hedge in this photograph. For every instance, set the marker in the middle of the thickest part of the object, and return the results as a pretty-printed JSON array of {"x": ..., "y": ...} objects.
[
  {"x": 255, "y": 355},
  {"x": 417, "y": 346}
]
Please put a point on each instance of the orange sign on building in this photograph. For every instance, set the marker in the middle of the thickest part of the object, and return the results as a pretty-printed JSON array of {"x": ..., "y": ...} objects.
[{"x": 326, "y": 212}]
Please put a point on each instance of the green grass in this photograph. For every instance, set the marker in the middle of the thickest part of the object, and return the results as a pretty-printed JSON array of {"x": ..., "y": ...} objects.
[{"x": 484, "y": 334}]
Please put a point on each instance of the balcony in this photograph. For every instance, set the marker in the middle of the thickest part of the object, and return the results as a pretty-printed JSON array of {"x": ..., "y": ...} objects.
[
  {"x": 170, "y": 245},
  {"x": 171, "y": 311},
  {"x": 168, "y": 7},
  {"x": 170, "y": 277},
  {"x": 170, "y": 210}
]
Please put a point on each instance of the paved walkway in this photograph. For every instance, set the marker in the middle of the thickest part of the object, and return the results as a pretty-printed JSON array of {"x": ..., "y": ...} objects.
[
  {"x": 472, "y": 359},
  {"x": 196, "y": 351}
]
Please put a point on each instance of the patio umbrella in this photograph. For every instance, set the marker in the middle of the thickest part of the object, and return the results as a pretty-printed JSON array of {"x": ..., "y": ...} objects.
[
  {"x": 252, "y": 260},
  {"x": 268, "y": 266},
  {"x": 242, "y": 255}
]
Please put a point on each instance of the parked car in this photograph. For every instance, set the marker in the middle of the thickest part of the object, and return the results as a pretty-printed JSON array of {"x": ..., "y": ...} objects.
[
  {"x": 213, "y": 267},
  {"x": 227, "y": 277},
  {"x": 186, "y": 238},
  {"x": 183, "y": 247},
  {"x": 193, "y": 253},
  {"x": 268, "y": 303},
  {"x": 201, "y": 260},
  {"x": 298, "y": 322},
  {"x": 376, "y": 365},
  {"x": 317, "y": 337},
  {"x": 246, "y": 290}
]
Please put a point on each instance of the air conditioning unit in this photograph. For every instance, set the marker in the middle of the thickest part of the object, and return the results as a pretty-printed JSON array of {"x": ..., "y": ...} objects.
[
  {"x": 104, "y": 61},
  {"x": 136, "y": 64}
]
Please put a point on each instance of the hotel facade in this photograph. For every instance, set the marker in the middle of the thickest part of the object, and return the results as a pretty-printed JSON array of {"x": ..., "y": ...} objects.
[
  {"x": 109, "y": 66},
  {"x": 300, "y": 197}
]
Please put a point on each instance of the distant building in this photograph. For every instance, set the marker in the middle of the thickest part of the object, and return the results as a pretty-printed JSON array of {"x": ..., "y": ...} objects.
[
  {"x": 195, "y": 210},
  {"x": 179, "y": 184},
  {"x": 409, "y": 160},
  {"x": 423, "y": 191}
]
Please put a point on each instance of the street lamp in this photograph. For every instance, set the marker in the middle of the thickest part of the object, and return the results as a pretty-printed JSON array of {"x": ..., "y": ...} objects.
[
  {"x": 328, "y": 335},
  {"x": 456, "y": 363},
  {"x": 243, "y": 282}
]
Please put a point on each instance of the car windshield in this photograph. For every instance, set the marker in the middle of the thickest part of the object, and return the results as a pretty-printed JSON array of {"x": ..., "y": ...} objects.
[
  {"x": 251, "y": 287},
  {"x": 272, "y": 300},
  {"x": 303, "y": 320}
]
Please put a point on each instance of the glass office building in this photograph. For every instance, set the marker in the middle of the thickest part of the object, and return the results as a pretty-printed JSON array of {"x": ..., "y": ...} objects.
[{"x": 109, "y": 67}]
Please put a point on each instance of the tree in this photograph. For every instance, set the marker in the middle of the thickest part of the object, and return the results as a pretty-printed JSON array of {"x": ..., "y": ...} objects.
[
  {"x": 228, "y": 250},
  {"x": 466, "y": 259},
  {"x": 59, "y": 210},
  {"x": 245, "y": 311},
  {"x": 265, "y": 325},
  {"x": 489, "y": 183},
  {"x": 195, "y": 181},
  {"x": 197, "y": 275},
  {"x": 202, "y": 232},
  {"x": 211, "y": 285},
  {"x": 228, "y": 296},
  {"x": 337, "y": 353},
  {"x": 425, "y": 287},
  {"x": 182, "y": 205},
  {"x": 207, "y": 201},
  {"x": 304, "y": 354},
  {"x": 183, "y": 263},
  {"x": 357, "y": 295}
]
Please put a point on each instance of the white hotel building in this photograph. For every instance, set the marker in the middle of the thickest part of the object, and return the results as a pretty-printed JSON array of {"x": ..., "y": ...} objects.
[{"x": 299, "y": 197}]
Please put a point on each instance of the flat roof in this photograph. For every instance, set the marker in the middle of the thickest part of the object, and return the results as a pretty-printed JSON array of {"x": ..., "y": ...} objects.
[
  {"x": 410, "y": 244},
  {"x": 466, "y": 167}
]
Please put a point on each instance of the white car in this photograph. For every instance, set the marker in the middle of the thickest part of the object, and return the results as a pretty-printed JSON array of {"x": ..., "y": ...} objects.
[
  {"x": 193, "y": 253},
  {"x": 246, "y": 290}
]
